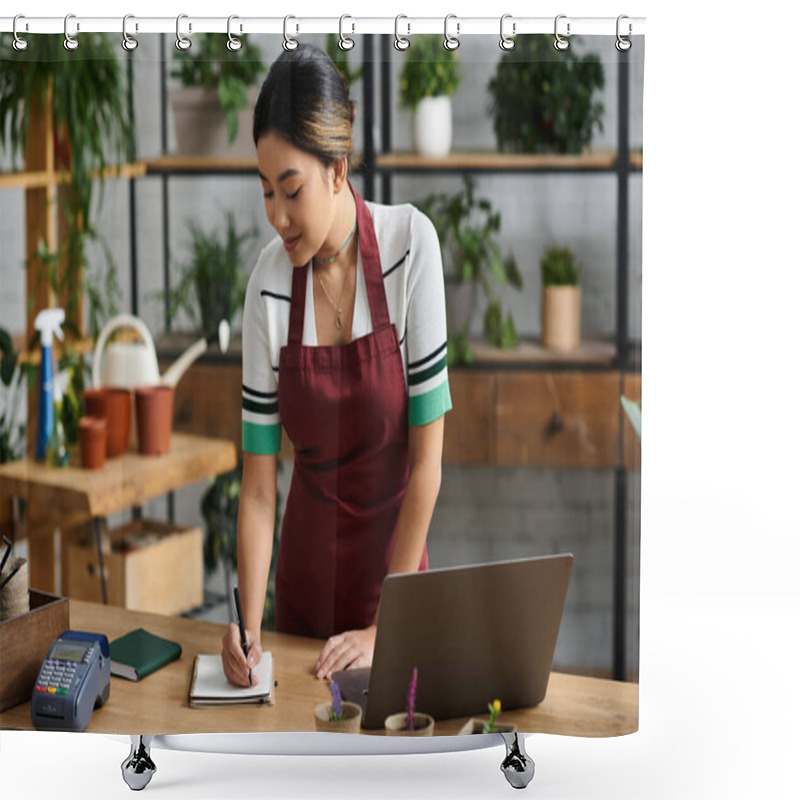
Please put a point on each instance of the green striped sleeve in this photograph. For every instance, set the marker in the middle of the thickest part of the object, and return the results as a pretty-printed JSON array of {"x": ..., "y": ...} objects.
[
  {"x": 425, "y": 408},
  {"x": 262, "y": 440}
]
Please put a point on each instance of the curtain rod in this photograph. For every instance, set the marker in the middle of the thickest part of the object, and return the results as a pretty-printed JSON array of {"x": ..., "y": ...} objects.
[{"x": 297, "y": 25}]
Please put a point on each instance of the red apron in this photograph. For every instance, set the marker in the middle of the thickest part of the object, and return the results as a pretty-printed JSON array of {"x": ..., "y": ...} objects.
[{"x": 345, "y": 408}]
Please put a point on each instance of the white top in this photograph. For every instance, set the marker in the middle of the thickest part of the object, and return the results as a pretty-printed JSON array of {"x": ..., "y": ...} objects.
[{"x": 414, "y": 283}]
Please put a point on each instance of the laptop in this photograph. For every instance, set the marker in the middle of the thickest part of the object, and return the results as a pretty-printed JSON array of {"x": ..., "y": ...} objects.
[{"x": 475, "y": 633}]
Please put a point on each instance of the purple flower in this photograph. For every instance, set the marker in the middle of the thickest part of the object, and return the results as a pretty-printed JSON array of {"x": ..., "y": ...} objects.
[
  {"x": 412, "y": 700},
  {"x": 336, "y": 701}
]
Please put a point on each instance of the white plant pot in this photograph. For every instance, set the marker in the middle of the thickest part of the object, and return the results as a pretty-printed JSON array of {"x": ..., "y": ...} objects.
[
  {"x": 200, "y": 126},
  {"x": 433, "y": 126}
]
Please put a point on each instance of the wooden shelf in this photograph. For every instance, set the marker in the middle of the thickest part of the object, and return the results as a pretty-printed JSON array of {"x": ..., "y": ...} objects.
[
  {"x": 493, "y": 161},
  {"x": 532, "y": 353},
  {"x": 194, "y": 165},
  {"x": 41, "y": 179},
  {"x": 489, "y": 161},
  {"x": 200, "y": 165},
  {"x": 82, "y": 346}
]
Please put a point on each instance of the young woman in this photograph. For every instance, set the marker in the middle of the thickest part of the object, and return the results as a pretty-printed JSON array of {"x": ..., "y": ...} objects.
[{"x": 345, "y": 345}]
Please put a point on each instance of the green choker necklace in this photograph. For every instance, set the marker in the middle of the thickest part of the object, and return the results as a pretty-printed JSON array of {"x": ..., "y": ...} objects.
[{"x": 339, "y": 251}]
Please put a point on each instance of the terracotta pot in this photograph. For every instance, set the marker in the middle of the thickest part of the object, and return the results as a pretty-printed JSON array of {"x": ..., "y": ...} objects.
[
  {"x": 154, "y": 419},
  {"x": 561, "y": 317},
  {"x": 113, "y": 404},
  {"x": 475, "y": 725},
  {"x": 397, "y": 725},
  {"x": 350, "y": 722},
  {"x": 92, "y": 436}
]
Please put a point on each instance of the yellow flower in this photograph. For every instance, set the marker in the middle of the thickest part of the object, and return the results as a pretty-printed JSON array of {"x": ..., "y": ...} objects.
[{"x": 496, "y": 706}]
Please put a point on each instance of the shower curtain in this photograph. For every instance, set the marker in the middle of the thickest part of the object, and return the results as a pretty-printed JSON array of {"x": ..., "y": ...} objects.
[{"x": 528, "y": 162}]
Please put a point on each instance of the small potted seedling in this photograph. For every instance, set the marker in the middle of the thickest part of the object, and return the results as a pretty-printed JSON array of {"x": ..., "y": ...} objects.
[
  {"x": 410, "y": 722},
  {"x": 338, "y": 716},
  {"x": 476, "y": 725}
]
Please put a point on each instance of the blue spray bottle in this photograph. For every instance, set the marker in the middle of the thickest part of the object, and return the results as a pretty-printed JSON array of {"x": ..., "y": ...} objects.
[{"x": 48, "y": 322}]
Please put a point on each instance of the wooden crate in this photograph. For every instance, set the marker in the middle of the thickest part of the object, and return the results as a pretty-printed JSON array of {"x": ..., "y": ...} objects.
[
  {"x": 24, "y": 641},
  {"x": 162, "y": 573}
]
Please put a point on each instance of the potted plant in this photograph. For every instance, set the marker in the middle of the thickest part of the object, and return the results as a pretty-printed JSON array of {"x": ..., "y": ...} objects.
[
  {"x": 338, "y": 716},
  {"x": 410, "y": 722},
  {"x": 91, "y": 129},
  {"x": 468, "y": 229},
  {"x": 561, "y": 299},
  {"x": 476, "y": 725},
  {"x": 213, "y": 282},
  {"x": 430, "y": 77},
  {"x": 543, "y": 100},
  {"x": 219, "y": 88}
]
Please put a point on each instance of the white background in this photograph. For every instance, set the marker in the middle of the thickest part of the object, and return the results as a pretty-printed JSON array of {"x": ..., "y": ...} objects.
[{"x": 720, "y": 606}]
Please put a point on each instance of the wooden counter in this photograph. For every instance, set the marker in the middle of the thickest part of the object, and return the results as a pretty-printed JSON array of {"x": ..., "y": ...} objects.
[{"x": 574, "y": 705}]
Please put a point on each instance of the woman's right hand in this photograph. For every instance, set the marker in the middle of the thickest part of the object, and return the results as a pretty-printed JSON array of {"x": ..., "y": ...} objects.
[{"x": 234, "y": 663}]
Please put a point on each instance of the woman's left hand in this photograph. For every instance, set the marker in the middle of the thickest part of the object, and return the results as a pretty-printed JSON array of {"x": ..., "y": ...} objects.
[{"x": 346, "y": 650}]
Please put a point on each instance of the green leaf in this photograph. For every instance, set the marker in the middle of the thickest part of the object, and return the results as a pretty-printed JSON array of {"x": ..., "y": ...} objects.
[{"x": 634, "y": 413}]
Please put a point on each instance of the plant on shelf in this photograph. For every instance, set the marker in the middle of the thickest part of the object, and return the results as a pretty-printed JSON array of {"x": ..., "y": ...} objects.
[
  {"x": 468, "y": 229},
  {"x": 91, "y": 128},
  {"x": 561, "y": 299},
  {"x": 543, "y": 100},
  {"x": 213, "y": 283},
  {"x": 429, "y": 78},
  {"x": 341, "y": 59},
  {"x": 210, "y": 65}
]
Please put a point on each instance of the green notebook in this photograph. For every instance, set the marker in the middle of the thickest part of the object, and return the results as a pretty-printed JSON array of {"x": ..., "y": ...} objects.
[{"x": 138, "y": 653}]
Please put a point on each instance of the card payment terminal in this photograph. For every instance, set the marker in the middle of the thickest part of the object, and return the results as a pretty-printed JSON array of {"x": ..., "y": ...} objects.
[{"x": 74, "y": 679}]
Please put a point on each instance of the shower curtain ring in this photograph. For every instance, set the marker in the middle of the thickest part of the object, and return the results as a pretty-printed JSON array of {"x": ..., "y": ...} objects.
[
  {"x": 400, "y": 42},
  {"x": 560, "y": 43},
  {"x": 128, "y": 42},
  {"x": 182, "y": 42},
  {"x": 506, "y": 42},
  {"x": 70, "y": 42},
  {"x": 20, "y": 44},
  {"x": 623, "y": 44},
  {"x": 234, "y": 44},
  {"x": 345, "y": 42},
  {"x": 451, "y": 42},
  {"x": 288, "y": 42}
]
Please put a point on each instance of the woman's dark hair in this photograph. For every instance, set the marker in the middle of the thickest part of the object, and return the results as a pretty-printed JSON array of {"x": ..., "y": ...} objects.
[{"x": 305, "y": 99}]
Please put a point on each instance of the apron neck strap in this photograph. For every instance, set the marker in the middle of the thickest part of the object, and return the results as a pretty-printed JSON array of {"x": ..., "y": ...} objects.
[{"x": 373, "y": 276}]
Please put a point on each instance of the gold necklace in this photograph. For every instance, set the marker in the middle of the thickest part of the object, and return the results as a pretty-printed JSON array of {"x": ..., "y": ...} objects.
[{"x": 337, "y": 306}]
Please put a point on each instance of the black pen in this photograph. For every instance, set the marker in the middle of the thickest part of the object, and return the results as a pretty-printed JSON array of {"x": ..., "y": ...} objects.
[{"x": 241, "y": 629}]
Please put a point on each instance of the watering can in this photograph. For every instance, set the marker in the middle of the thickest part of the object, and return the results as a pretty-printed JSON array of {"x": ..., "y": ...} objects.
[{"x": 133, "y": 364}]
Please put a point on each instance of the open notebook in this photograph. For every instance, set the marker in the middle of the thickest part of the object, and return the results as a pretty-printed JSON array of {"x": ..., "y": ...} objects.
[{"x": 210, "y": 687}]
